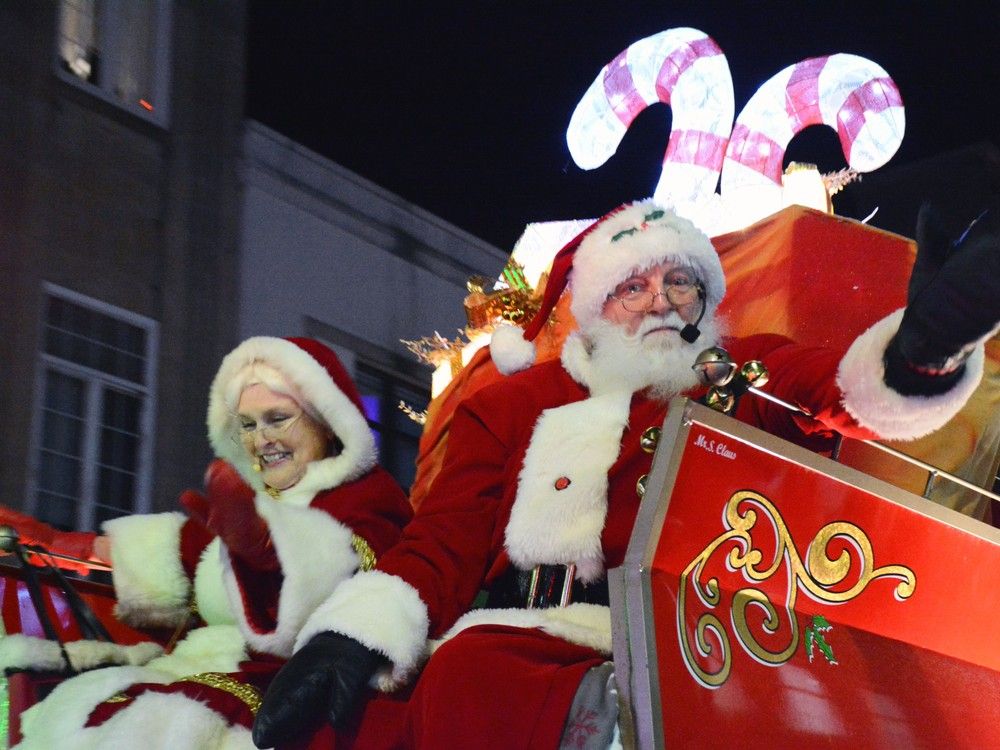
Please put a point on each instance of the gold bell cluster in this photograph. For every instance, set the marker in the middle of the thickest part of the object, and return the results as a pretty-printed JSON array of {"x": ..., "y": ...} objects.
[{"x": 725, "y": 380}]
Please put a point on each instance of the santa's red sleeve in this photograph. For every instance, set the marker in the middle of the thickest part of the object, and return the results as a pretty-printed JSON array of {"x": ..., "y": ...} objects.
[
  {"x": 430, "y": 578},
  {"x": 845, "y": 392}
]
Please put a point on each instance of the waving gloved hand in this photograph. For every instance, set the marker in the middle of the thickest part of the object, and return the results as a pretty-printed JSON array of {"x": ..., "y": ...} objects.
[
  {"x": 323, "y": 680},
  {"x": 953, "y": 303},
  {"x": 227, "y": 510}
]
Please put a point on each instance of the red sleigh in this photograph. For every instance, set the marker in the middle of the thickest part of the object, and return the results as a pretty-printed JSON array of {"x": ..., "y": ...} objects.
[
  {"x": 771, "y": 597},
  {"x": 37, "y": 601}
]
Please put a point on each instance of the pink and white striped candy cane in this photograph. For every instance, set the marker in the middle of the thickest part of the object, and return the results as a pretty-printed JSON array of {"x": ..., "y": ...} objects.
[
  {"x": 851, "y": 94},
  {"x": 681, "y": 67}
]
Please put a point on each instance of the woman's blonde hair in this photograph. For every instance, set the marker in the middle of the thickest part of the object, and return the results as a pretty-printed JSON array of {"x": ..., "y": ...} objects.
[{"x": 260, "y": 372}]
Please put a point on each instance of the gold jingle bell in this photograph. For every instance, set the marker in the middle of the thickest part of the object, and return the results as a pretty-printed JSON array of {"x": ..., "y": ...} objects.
[
  {"x": 650, "y": 439},
  {"x": 755, "y": 373},
  {"x": 640, "y": 486},
  {"x": 714, "y": 366},
  {"x": 720, "y": 399}
]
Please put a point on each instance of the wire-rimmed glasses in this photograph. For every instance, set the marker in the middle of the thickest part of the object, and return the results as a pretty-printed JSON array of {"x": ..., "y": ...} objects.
[
  {"x": 679, "y": 288},
  {"x": 272, "y": 428}
]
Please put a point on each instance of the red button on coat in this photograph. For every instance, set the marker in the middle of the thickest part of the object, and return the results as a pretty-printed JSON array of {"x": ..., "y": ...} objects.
[{"x": 562, "y": 483}]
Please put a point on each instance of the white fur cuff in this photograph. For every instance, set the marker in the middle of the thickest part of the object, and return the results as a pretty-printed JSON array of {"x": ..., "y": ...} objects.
[
  {"x": 892, "y": 415},
  {"x": 381, "y": 611},
  {"x": 150, "y": 583}
]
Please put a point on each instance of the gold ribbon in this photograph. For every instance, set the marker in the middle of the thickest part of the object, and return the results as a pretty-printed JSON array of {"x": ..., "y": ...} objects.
[
  {"x": 366, "y": 555},
  {"x": 250, "y": 695}
]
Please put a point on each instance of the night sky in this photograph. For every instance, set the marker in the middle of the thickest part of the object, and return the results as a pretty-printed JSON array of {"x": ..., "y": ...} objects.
[{"x": 462, "y": 108}]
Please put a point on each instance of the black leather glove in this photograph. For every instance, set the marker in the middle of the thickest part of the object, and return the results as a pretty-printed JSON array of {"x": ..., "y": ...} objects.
[
  {"x": 953, "y": 302},
  {"x": 323, "y": 680}
]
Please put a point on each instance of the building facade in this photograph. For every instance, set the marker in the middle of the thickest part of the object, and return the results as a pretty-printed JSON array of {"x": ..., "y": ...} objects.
[{"x": 119, "y": 149}]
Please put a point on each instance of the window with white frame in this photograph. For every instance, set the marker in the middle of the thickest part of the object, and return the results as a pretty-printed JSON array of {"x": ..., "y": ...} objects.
[
  {"x": 94, "y": 410},
  {"x": 119, "y": 49}
]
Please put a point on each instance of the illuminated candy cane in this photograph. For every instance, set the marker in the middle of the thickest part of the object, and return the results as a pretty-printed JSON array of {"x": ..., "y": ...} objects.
[
  {"x": 851, "y": 94},
  {"x": 683, "y": 68}
]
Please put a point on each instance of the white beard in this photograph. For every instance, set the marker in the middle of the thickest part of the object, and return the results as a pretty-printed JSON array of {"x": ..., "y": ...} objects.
[{"x": 607, "y": 359}]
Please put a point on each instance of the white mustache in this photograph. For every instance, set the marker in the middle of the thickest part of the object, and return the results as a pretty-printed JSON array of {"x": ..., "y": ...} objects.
[{"x": 652, "y": 322}]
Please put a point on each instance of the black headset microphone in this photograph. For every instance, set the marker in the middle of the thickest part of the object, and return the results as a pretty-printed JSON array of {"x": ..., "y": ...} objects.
[{"x": 690, "y": 332}]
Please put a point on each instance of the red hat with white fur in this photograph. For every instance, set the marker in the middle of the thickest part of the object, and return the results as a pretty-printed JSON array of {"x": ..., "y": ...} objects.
[
  {"x": 629, "y": 239},
  {"x": 309, "y": 372}
]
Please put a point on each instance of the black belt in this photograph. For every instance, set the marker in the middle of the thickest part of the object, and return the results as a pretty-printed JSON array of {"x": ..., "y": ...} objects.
[{"x": 544, "y": 586}]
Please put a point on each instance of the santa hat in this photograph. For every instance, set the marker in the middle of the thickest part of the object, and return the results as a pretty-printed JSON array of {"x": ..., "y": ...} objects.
[
  {"x": 313, "y": 375},
  {"x": 629, "y": 239}
]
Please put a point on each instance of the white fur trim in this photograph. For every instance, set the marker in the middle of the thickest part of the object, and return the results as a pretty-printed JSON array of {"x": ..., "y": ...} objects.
[
  {"x": 580, "y": 623},
  {"x": 383, "y": 612},
  {"x": 600, "y": 264},
  {"x": 212, "y": 648},
  {"x": 57, "y": 721},
  {"x": 18, "y": 651},
  {"x": 151, "y": 587},
  {"x": 892, "y": 415},
  {"x": 511, "y": 352},
  {"x": 153, "y": 721},
  {"x": 90, "y": 654},
  {"x": 209, "y": 589},
  {"x": 315, "y": 553},
  {"x": 324, "y": 397},
  {"x": 579, "y": 441}
]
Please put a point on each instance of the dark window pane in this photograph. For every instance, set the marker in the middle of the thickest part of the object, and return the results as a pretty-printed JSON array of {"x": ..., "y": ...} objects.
[
  {"x": 119, "y": 449},
  {"x": 59, "y": 474},
  {"x": 129, "y": 366},
  {"x": 61, "y": 433},
  {"x": 64, "y": 393},
  {"x": 87, "y": 337},
  {"x": 56, "y": 510},
  {"x": 121, "y": 411},
  {"x": 398, "y": 435},
  {"x": 115, "y": 488}
]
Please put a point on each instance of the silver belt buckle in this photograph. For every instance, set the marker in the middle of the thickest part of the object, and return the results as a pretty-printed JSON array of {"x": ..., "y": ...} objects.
[{"x": 539, "y": 590}]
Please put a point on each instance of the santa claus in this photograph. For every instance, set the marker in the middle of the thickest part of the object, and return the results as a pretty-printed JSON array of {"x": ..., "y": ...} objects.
[{"x": 542, "y": 481}]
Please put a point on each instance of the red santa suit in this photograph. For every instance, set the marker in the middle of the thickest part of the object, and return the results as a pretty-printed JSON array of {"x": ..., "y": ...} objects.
[
  {"x": 544, "y": 469},
  {"x": 340, "y": 517}
]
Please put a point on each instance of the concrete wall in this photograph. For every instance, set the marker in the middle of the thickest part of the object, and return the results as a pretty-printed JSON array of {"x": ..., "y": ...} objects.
[{"x": 323, "y": 248}]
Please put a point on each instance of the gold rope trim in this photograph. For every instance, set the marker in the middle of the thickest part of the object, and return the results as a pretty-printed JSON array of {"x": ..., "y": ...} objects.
[
  {"x": 247, "y": 693},
  {"x": 366, "y": 555}
]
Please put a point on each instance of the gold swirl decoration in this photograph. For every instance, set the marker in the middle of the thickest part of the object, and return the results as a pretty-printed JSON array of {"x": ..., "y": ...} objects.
[{"x": 822, "y": 577}]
